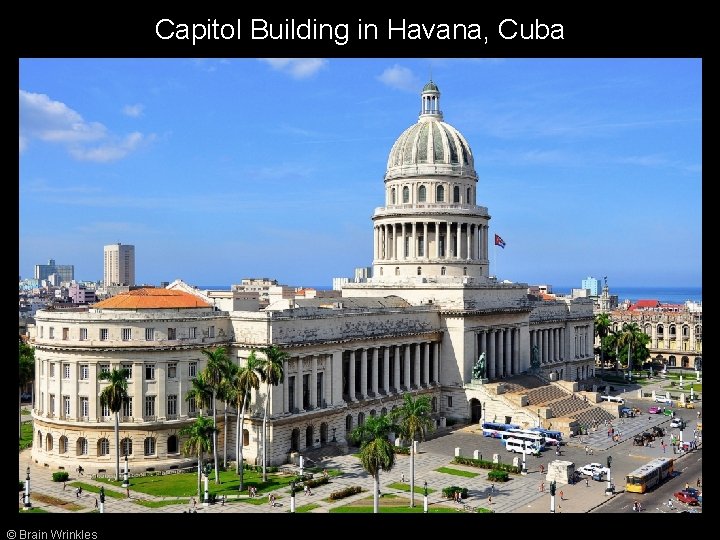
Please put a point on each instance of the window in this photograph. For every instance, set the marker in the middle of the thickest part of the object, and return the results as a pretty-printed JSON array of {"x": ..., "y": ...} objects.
[
  {"x": 84, "y": 372},
  {"x": 149, "y": 372},
  {"x": 456, "y": 194},
  {"x": 172, "y": 405},
  {"x": 41, "y": 331},
  {"x": 103, "y": 447},
  {"x": 171, "y": 333},
  {"x": 62, "y": 444},
  {"x": 128, "y": 369},
  {"x": 211, "y": 331},
  {"x": 468, "y": 199},
  {"x": 126, "y": 446},
  {"x": 52, "y": 369},
  {"x": 421, "y": 246},
  {"x": 397, "y": 270},
  {"x": 422, "y": 194},
  {"x": 449, "y": 401},
  {"x": 127, "y": 407},
  {"x": 464, "y": 270},
  {"x": 172, "y": 371},
  {"x": 192, "y": 407},
  {"x": 419, "y": 270},
  {"x": 192, "y": 369},
  {"x": 82, "y": 446},
  {"x": 193, "y": 332},
  {"x": 103, "y": 334},
  {"x": 84, "y": 407},
  {"x": 83, "y": 334},
  {"x": 66, "y": 371},
  {"x": 104, "y": 368},
  {"x": 406, "y": 247},
  {"x": 149, "y": 333},
  {"x": 149, "y": 446},
  {"x": 392, "y": 196},
  {"x": 52, "y": 404},
  {"x": 126, "y": 334},
  {"x": 149, "y": 405},
  {"x": 51, "y": 335},
  {"x": 105, "y": 410},
  {"x": 406, "y": 194},
  {"x": 172, "y": 444},
  {"x": 42, "y": 367},
  {"x": 440, "y": 194},
  {"x": 443, "y": 271},
  {"x": 66, "y": 333}
]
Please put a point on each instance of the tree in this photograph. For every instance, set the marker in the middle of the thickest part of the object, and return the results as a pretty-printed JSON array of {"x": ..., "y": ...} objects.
[
  {"x": 27, "y": 374},
  {"x": 245, "y": 380},
  {"x": 633, "y": 343},
  {"x": 271, "y": 372},
  {"x": 376, "y": 451},
  {"x": 113, "y": 396},
  {"x": 414, "y": 419},
  {"x": 200, "y": 392},
  {"x": 602, "y": 328},
  {"x": 217, "y": 362},
  {"x": 199, "y": 440}
]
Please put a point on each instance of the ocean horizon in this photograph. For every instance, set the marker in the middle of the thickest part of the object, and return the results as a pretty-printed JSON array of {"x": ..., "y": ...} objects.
[{"x": 666, "y": 295}]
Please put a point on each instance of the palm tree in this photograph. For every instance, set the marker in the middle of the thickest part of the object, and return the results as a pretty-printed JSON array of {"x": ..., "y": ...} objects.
[
  {"x": 200, "y": 392},
  {"x": 200, "y": 435},
  {"x": 217, "y": 361},
  {"x": 271, "y": 373},
  {"x": 602, "y": 328},
  {"x": 414, "y": 419},
  {"x": 376, "y": 451},
  {"x": 245, "y": 380},
  {"x": 226, "y": 393},
  {"x": 632, "y": 337},
  {"x": 27, "y": 374},
  {"x": 113, "y": 396}
]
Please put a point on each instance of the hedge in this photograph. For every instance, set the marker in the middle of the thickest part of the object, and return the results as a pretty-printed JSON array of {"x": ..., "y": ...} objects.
[
  {"x": 449, "y": 492},
  {"x": 315, "y": 482},
  {"x": 60, "y": 476},
  {"x": 498, "y": 476},
  {"x": 335, "y": 495},
  {"x": 402, "y": 450},
  {"x": 484, "y": 464}
]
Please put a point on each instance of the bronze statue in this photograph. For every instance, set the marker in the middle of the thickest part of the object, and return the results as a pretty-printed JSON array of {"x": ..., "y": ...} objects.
[{"x": 478, "y": 371}]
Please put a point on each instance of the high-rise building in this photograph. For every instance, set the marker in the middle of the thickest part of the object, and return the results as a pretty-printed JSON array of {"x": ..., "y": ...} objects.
[
  {"x": 593, "y": 285},
  {"x": 119, "y": 265},
  {"x": 65, "y": 271}
]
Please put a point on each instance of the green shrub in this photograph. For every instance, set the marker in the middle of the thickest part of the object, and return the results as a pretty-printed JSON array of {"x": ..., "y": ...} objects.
[
  {"x": 273, "y": 469},
  {"x": 60, "y": 476},
  {"x": 484, "y": 464},
  {"x": 498, "y": 476},
  {"x": 335, "y": 495},
  {"x": 315, "y": 482},
  {"x": 405, "y": 450},
  {"x": 449, "y": 492},
  {"x": 21, "y": 485}
]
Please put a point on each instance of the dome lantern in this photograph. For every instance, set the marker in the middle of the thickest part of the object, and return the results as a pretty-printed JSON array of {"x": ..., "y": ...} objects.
[{"x": 430, "y": 102}]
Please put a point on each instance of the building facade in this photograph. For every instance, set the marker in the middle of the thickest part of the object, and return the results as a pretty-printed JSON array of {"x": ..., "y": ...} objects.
[
  {"x": 66, "y": 272},
  {"x": 418, "y": 326},
  {"x": 119, "y": 265}
]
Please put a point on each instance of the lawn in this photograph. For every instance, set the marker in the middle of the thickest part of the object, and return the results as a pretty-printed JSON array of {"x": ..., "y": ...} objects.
[
  {"x": 33, "y": 510},
  {"x": 406, "y": 487},
  {"x": 457, "y": 472},
  {"x": 160, "y": 504},
  {"x": 27, "y": 435},
  {"x": 391, "y": 505},
  {"x": 95, "y": 489},
  {"x": 306, "y": 508}
]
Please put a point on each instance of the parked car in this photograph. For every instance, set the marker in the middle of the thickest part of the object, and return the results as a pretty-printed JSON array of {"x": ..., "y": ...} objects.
[
  {"x": 661, "y": 399},
  {"x": 25, "y": 396},
  {"x": 655, "y": 410},
  {"x": 686, "y": 498},
  {"x": 689, "y": 405},
  {"x": 592, "y": 469},
  {"x": 626, "y": 412},
  {"x": 694, "y": 493},
  {"x": 677, "y": 423},
  {"x": 668, "y": 412}
]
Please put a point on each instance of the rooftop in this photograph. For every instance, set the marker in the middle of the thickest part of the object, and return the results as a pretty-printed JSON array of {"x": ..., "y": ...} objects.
[{"x": 152, "y": 298}]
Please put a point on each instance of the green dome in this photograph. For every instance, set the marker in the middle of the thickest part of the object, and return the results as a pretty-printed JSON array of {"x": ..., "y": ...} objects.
[{"x": 430, "y": 87}]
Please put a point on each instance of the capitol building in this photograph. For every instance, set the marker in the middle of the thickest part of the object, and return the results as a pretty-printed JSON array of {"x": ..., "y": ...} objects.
[{"x": 418, "y": 325}]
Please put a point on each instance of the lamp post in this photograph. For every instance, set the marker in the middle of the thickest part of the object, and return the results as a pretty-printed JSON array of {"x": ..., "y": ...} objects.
[
  {"x": 483, "y": 412},
  {"x": 425, "y": 504},
  {"x": 27, "y": 504},
  {"x": 206, "y": 499},
  {"x": 524, "y": 471},
  {"x": 553, "y": 487},
  {"x": 609, "y": 489},
  {"x": 292, "y": 497},
  {"x": 102, "y": 499},
  {"x": 125, "y": 483},
  {"x": 538, "y": 418}
]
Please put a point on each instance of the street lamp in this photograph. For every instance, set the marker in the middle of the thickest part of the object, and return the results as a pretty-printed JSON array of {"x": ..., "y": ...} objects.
[
  {"x": 425, "y": 506},
  {"x": 206, "y": 499},
  {"x": 609, "y": 489},
  {"x": 102, "y": 499},
  {"x": 538, "y": 417},
  {"x": 483, "y": 412},
  {"x": 292, "y": 497},
  {"x": 125, "y": 483},
  {"x": 553, "y": 487},
  {"x": 524, "y": 468},
  {"x": 27, "y": 504}
]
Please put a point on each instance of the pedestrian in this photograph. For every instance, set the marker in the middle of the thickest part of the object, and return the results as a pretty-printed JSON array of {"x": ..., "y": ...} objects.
[
  {"x": 542, "y": 487},
  {"x": 305, "y": 489},
  {"x": 492, "y": 488},
  {"x": 194, "y": 503},
  {"x": 561, "y": 495},
  {"x": 402, "y": 478},
  {"x": 687, "y": 486},
  {"x": 490, "y": 500},
  {"x": 96, "y": 502},
  {"x": 586, "y": 450},
  {"x": 127, "y": 491},
  {"x": 587, "y": 482},
  {"x": 698, "y": 482},
  {"x": 542, "y": 468},
  {"x": 64, "y": 485},
  {"x": 77, "y": 493},
  {"x": 222, "y": 500}
]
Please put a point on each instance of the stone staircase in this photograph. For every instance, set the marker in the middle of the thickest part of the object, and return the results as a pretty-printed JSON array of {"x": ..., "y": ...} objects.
[{"x": 314, "y": 456}]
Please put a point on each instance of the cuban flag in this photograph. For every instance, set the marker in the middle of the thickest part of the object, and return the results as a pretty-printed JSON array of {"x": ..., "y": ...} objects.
[{"x": 499, "y": 241}]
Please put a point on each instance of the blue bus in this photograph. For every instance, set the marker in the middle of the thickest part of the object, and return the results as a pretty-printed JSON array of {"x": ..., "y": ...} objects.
[
  {"x": 494, "y": 429},
  {"x": 556, "y": 436}
]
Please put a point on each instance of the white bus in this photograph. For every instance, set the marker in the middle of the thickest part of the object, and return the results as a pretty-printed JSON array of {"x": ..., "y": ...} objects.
[
  {"x": 521, "y": 446},
  {"x": 532, "y": 437}
]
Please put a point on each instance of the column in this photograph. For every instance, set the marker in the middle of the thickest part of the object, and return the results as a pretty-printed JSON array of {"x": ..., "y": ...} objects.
[
  {"x": 386, "y": 370},
  {"x": 396, "y": 366},
  {"x": 363, "y": 374},
  {"x": 508, "y": 351},
  {"x": 516, "y": 351},
  {"x": 426, "y": 363},
  {"x": 491, "y": 354},
  {"x": 351, "y": 377},
  {"x": 448, "y": 227},
  {"x": 406, "y": 381},
  {"x": 137, "y": 393},
  {"x": 286, "y": 388},
  {"x": 417, "y": 364},
  {"x": 336, "y": 377},
  {"x": 468, "y": 238},
  {"x": 545, "y": 345},
  {"x": 413, "y": 243},
  {"x": 436, "y": 367},
  {"x": 499, "y": 352},
  {"x": 313, "y": 382},
  {"x": 551, "y": 345},
  {"x": 403, "y": 255},
  {"x": 426, "y": 241},
  {"x": 298, "y": 384},
  {"x": 437, "y": 239}
]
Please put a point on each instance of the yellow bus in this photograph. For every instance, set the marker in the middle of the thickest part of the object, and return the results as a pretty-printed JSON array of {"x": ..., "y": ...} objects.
[{"x": 649, "y": 475}]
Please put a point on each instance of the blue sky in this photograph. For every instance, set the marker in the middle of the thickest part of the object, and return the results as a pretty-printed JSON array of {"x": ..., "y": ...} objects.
[{"x": 218, "y": 170}]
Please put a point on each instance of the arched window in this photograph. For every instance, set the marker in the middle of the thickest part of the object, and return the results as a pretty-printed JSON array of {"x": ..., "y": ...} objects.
[
  {"x": 82, "y": 446},
  {"x": 406, "y": 194},
  {"x": 383, "y": 411},
  {"x": 422, "y": 194},
  {"x": 246, "y": 437},
  {"x": 103, "y": 447},
  {"x": 660, "y": 330},
  {"x": 149, "y": 446},
  {"x": 373, "y": 412},
  {"x": 468, "y": 198},
  {"x": 443, "y": 270},
  {"x": 126, "y": 446},
  {"x": 348, "y": 423},
  {"x": 392, "y": 196},
  {"x": 440, "y": 194},
  {"x": 419, "y": 270},
  {"x": 381, "y": 270},
  {"x": 456, "y": 194},
  {"x": 361, "y": 419},
  {"x": 39, "y": 440},
  {"x": 172, "y": 444},
  {"x": 672, "y": 331},
  {"x": 48, "y": 442},
  {"x": 464, "y": 270},
  {"x": 397, "y": 270},
  {"x": 62, "y": 444},
  {"x": 685, "y": 331},
  {"x": 434, "y": 404}
]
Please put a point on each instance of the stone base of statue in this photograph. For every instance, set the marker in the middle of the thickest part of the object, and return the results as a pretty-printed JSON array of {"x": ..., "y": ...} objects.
[{"x": 479, "y": 381}]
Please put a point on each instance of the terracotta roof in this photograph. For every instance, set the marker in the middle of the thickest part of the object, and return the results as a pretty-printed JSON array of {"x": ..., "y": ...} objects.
[
  {"x": 645, "y": 304},
  {"x": 150, "y": 298}
]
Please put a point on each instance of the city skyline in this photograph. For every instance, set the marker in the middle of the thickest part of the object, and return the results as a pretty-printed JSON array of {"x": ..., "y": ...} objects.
[{"x": 218, "y": 170}]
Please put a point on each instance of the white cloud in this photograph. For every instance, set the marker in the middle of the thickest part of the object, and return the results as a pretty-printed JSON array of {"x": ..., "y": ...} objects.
[
  {"x": 298, "y": 68},
  {"x": 133, "y": 110},
  {"x": 45, "y": 119},
  {"x": 400, "y": 77}
]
